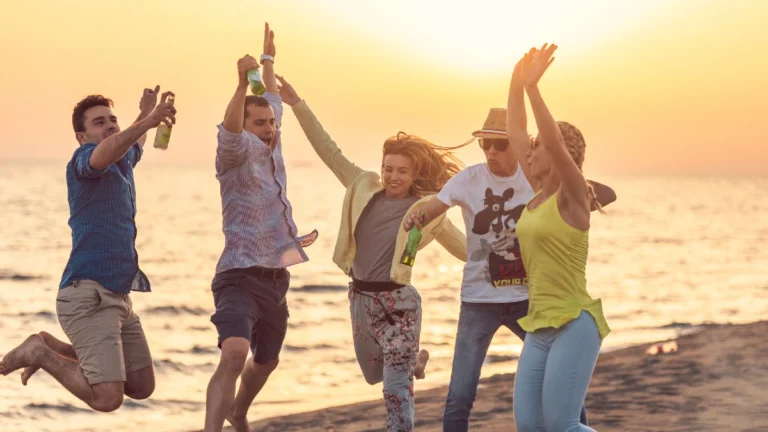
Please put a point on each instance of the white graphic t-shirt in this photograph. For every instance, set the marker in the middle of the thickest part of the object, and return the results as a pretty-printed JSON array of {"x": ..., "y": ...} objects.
[{"x": 491, "y": 206}]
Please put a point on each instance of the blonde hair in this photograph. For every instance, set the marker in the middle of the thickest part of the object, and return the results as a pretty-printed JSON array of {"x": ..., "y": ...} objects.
[
  {"x": 574, "y": 142},
  {"x": 433, "y": 165}
]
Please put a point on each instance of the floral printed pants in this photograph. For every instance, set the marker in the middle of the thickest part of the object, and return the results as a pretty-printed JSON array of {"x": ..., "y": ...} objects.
[{"x": 386, "y": 328}]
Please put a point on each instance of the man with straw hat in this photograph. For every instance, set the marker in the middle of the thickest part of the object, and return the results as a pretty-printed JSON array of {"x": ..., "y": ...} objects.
[{"x": 494, "y": 290}]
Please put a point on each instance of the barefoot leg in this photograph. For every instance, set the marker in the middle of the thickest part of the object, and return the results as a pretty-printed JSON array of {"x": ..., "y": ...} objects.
[{"x": 61, "y": 348}]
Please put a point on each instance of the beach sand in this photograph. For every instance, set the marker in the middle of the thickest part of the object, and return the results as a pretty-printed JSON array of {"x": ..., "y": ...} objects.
[{"x": 717, "y": 380}]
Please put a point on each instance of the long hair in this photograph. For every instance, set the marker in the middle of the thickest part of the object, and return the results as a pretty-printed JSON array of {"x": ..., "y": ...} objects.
[
  {"x": 576, "y": 145},
  {"x": 433, "y": 165}
]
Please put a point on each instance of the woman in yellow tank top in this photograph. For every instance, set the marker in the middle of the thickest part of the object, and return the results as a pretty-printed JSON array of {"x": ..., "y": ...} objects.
[{"x": 565, "y": 325}]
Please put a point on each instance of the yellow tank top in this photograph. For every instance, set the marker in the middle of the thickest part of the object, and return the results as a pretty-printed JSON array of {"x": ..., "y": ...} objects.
[{"x": 555, "y": 258}]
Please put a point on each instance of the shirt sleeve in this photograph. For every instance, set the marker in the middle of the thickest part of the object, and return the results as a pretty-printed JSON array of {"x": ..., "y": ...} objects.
[
  {"x": 231, "y": 148},
  {"x": 81, "y": 162},
  {"x": 134, "y": 154},
  {"x": 277, "y": 106},
  {"x": 451, "y": 193}
]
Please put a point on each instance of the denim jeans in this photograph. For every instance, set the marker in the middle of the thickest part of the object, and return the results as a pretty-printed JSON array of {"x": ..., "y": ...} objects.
[
  {"x": 553, "y": 376},
  {"x": 478, "y": 323}
]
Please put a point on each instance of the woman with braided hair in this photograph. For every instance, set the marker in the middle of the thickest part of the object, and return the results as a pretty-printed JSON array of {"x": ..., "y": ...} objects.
[
  {"x": 385, "y": 308},
  {"x": 565, "y": 326}
]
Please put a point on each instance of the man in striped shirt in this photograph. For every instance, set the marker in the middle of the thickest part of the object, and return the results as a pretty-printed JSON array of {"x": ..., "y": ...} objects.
[{"x": 251, "y": 280}]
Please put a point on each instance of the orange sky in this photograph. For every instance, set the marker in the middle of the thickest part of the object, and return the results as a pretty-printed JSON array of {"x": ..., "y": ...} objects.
[{"x": 675, "y": 86}]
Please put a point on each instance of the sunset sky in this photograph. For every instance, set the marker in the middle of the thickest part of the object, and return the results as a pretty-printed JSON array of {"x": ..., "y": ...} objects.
[{"x": 657, "y": 87}]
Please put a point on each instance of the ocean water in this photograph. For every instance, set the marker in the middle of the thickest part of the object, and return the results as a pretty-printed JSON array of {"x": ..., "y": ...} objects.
[{"x": 671, "y": 254}]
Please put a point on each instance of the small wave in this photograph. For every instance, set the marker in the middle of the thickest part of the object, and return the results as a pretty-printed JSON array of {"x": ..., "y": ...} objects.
[
  {"x": 177, "y": 310},
  {"x": 165, "y": 364},
  {"x": 19, "y": 276},
  {"x": 41, "y": 314},
  {"x": 174, "y": 404},
  {"x": 65, "y": 407},
  {"x": 494, "y": 358},
  {"x": 321, "y": 288},
  {"x": 307, "y": 348},
  {"x": 677, "y": 325},
  {"x": 197, "y": 349}
]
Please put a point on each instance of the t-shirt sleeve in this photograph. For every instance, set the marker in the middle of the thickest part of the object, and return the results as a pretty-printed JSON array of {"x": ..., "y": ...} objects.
[
  {"x": 452, "y": 193},
  {"x": 81, "y": 162}
]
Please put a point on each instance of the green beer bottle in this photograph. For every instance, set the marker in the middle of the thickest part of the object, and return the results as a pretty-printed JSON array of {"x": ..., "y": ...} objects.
[
  {"x": 163, "y": 132},
  {"x": 257, "y": 84},
  {"x": 409, "y": 254}
]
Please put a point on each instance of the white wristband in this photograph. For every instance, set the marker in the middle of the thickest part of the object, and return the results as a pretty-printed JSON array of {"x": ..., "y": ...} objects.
[{"x": 267, "y": 57}]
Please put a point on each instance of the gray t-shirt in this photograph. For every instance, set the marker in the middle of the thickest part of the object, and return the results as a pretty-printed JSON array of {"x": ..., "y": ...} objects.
[{"x": 375, "y": 236}]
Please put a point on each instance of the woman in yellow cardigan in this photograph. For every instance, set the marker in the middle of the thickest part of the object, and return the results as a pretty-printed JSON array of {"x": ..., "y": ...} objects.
[{"x": 385, "y": 308}]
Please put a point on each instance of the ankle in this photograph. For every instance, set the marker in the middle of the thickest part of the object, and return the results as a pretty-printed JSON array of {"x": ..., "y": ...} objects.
[{"x": 238, "y": 413}]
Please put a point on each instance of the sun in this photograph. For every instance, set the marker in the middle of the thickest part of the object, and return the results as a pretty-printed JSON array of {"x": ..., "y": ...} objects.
[{"x": 485, "y": 34}]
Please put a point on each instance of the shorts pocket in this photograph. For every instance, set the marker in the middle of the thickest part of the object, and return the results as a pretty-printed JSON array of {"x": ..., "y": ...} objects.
[
  {"x": 224, "y": 280},
  {"x": 78, "y": 301}
]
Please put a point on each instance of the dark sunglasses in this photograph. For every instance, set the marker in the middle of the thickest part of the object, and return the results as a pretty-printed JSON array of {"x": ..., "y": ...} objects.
[{"x": 501, "y": 144}]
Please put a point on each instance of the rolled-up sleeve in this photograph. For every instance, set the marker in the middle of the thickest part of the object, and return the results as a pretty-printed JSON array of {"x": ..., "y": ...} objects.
[
  {"x": 134, "y": 154},
  {"x": 231, "y": 148},
  {"x": 81, "y": 162}
]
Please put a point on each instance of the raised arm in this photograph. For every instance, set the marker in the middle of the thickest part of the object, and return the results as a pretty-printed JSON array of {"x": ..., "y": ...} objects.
[
  {"x": 517, "y": 121},
  {"x": 573, "y": 186},
  {"x": 114, "y": 147},
  {"x": 270, "y": 83},
  {"x": 324, "y": 146},
  {"x": 146, "y": 105},
  {"x": 233, "y": 117}
]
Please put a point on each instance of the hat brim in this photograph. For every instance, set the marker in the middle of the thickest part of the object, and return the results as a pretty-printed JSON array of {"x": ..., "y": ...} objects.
[{"x": 485, "y": 133}]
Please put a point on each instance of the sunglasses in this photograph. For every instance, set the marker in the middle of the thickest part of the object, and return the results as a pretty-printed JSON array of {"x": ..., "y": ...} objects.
[{"x": 500, "y": 144}]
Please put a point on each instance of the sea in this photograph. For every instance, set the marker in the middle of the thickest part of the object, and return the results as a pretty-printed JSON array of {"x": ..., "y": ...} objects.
[{"x": 671, "y": 254}]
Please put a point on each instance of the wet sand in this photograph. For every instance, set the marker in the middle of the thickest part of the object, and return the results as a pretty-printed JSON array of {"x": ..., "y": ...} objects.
[{"x": 717, "y": 380}]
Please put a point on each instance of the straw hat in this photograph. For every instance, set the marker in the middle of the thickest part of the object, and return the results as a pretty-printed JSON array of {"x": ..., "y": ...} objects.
[{"x": 495, "y": 125}]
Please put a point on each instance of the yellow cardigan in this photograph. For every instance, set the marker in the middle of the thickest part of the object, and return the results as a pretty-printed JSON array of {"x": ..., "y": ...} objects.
[{"x": 361, "y": 187}]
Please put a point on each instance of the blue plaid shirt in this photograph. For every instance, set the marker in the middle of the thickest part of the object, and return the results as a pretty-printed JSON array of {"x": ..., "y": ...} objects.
[{"x": 102, "y": 208}]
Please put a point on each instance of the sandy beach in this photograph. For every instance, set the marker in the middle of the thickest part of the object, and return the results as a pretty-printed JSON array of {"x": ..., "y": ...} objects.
[{"x": 716, "y": 380}]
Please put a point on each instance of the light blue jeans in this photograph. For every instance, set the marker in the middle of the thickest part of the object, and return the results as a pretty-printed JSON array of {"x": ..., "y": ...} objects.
[
  {"x": 478, "y": 323},
  {"x": 553, "y": 376}
]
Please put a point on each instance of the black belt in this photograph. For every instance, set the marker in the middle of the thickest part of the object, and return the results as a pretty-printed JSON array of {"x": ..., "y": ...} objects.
[
  {"x": 267, "y": 273},
  {"x": 375, "y": 286}
]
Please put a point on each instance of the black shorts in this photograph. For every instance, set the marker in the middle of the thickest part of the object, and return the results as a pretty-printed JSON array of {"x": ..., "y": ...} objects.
[{"x": 252, "y": 305}]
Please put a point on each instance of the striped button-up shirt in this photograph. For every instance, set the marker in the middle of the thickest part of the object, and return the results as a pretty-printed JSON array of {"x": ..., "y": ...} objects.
[
  {"x": 102, "y": 208},
  {"x": 258, "y": 220}
]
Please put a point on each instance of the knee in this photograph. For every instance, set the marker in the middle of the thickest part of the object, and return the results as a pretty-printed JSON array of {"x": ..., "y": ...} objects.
[
  {"x": 526, "y": 421},
  {"x": 107, "y": 402},
  {"x": 142, "y": 392},
  {"x": 233, "y": 360},
  {"x": 459, "y": 401},
  {"x": 559, "y": 422},
  {"x": 266, "y": 368}
]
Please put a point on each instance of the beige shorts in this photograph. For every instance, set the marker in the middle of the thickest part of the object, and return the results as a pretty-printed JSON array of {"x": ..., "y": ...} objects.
[{"x": 105, "y": 332}]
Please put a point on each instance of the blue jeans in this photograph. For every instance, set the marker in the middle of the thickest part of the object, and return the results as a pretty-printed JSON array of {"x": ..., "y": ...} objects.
[
  {"x": 553, "y": 376},
  {"x": 478, "y": 323}
]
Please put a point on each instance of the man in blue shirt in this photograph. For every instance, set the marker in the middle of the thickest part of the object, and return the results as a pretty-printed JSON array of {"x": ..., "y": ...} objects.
[{"x": 109, "y": 356}]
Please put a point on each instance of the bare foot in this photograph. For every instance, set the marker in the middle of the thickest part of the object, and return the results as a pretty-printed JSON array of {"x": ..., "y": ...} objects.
[
  {"x": 421, "y": 363},
  {"x": 28, "y": 372},
  {"x": 23, "y": 355},
  {"x": 240, "y": 424}
]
